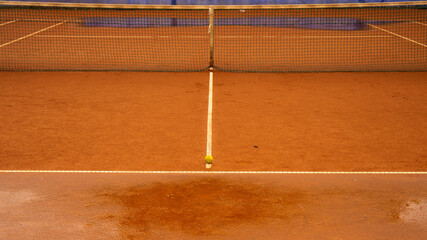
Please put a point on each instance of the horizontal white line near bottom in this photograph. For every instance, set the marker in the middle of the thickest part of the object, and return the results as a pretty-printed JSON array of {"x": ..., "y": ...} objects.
[{"x": 224, "y": 172}]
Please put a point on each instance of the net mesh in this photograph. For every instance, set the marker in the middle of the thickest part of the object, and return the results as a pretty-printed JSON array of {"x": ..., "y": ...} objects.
[{"x": 283, "y": 39}]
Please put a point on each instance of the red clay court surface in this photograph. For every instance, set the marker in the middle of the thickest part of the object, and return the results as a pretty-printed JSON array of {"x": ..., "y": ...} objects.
[
  {"x": 364, "y": 122},
  {"x": 116, "y": 155},
  {"x": 264, "y": 122},
  {"x": 186, "y": 206}
]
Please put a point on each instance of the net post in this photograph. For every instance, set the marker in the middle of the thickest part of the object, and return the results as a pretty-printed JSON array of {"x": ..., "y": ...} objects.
[{"x": 211, "y": 37}]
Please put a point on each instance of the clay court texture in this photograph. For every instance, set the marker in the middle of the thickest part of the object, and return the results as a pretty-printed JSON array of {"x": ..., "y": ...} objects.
[
  {"x": 120, "y": 155},
  {"x": 275, "y": 138}
]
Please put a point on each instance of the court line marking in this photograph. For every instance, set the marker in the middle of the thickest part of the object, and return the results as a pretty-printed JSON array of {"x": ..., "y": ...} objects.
[
  {"x": 209, "y": 125},
  {"x": 224, "y": 172},
  {"x": 296, "y": 37},
  {"x": 395, "y": 34},
  {"x": 167, "y": 36},
  {"x": 31, "y": 34},
  {"x": 48, "y": 20},
  {"x": 424, "y": 24},
  {"x": 7, "y": 23}
]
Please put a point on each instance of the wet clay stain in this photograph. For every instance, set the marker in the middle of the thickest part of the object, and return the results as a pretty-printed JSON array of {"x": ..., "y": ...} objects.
[{"x": 201, "y": 206}]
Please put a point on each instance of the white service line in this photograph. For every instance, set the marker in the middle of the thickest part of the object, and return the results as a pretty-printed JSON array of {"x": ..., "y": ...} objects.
[
  {"x": 31, "y": 34},
  {"x": 170, "y": 36},
  {"x": 395, "y": 34},
  {"x": 209, "y": 125},
  {"x": 2, "y": 24},
  {"x": 94, "y": 36},
  {"x": 298, "y": 37},
  {"x": 222, "y": 172},
  {"x": 47, "y": 20},
  {"x": 424, "y": 24}
]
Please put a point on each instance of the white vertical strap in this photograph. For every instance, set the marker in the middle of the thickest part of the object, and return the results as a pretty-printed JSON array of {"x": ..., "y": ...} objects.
[{"x": 211, "y": 37}]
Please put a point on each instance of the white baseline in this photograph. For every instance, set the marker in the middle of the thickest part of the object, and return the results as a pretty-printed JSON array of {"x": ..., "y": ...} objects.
[{"x": 226, "y": 172}]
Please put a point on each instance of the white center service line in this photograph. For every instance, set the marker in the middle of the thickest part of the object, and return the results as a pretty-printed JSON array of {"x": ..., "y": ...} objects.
[
  {"x": 223, "y": 172},
  {"x": 2, "y": 24},
  {"x": 397, "y": 35},
  {"x": 209, "y": 125},
  {"x": 31, "y": 34}
]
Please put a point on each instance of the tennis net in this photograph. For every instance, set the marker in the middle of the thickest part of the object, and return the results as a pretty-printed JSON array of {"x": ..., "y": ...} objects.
[{"x": 272, "y": 38}]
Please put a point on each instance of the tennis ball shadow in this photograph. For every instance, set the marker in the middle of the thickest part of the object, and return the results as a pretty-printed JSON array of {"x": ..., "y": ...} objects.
[{"x": 203, "y": 206}]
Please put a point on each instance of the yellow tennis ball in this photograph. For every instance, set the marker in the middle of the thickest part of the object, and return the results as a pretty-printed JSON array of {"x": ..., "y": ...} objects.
[{"x": 209, "y": 159}]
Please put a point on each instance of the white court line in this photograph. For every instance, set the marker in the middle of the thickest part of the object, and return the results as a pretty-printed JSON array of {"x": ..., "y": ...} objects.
[
  {"x": 222, "y": 172},
  {"x": 170, "y": 36},
  {"x": 395, "y": 34},
  {"x": 424, "y": 24},
  {"x": 48, "y": 20},
  {"x": 209, "y": 125},
  {"x": 7, "y": 23},
  {"x": 31, "y": 34},
  {"x": 297, "y": 37},
  {"x": 88, "y": 36}
]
